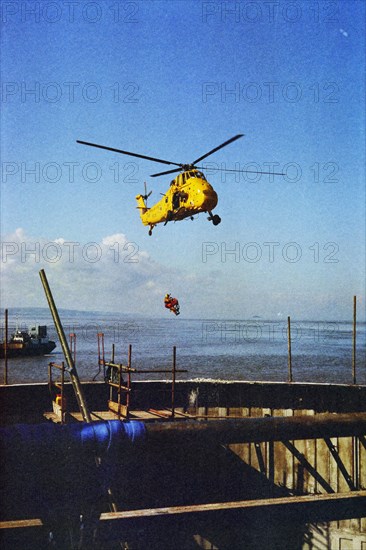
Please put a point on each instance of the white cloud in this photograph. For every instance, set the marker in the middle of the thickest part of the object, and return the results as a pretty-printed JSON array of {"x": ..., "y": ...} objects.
[{"x": 113, "y": 274}]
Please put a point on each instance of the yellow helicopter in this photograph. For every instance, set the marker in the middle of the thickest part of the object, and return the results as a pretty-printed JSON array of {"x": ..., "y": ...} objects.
[{"x": 189, "y": 193}]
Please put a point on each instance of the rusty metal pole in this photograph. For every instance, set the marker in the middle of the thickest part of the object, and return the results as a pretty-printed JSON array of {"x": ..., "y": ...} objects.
[
  {"x": 73, "y": 345},
  {"x": 174, "y": 370},
  {"x": 103, "y": 355},
  {"x": 289, "y": 360},
  {"x": 50, "y": 377},
  {"x": 101, "y": 358},
  {"x": 63, "y": 408},
  {"x": 128, "y": 394},
  {"x": 65, "y": 348},
  {"x": 354, "y": 341},
  {"x": 111, "y": 371},
  {"x": 6, "y": 349}
]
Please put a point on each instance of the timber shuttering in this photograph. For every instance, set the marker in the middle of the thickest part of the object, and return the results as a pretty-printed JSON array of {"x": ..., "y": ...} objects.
[{"x": 324, "y": 470}]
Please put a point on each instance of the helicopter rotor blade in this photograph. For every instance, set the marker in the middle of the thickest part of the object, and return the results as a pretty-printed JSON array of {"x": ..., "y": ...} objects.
[
  {"x": 207, "y": 168},
  {"x": 218, "y": 147},
  {"x": 127, "y": 153},
  {"x": 167, "y": 172}
]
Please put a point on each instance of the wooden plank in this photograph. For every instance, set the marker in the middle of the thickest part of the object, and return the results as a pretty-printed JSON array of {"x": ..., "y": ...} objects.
[
  {"x": 242, "y": 450},
  {"x": 310, "y": 455},
  {"x": 52, "y": 416},
  {"x": 201, "y": 411},
  {"x": 322, "y": 463},
  {"x": 260, "y": 504},
  {"x": 302, "y": 475},
  {"x": 256, "y": 412},
  {"x": 179, "y": 412},
  {"x": 234, "y": 411},
  {"x": 21, "y": 523},
  {"x": 281, "y": 456},
  {"x": 290, "y": 481},
  {"x": 117, "y": 408},
  {"x": 145, "y": 415},
  {"x": 212, "y": 412},
  {"x": 345, "y": 452},
  {"x": 362, "y": 475},
  {"x": 255, "y": 505},
  {"x": 345, "y": 449},
  {"x": 161, "y": 414}
]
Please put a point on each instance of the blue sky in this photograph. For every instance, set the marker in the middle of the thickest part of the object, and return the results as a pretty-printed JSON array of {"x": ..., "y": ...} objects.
[{"x": 174, "y": 79}]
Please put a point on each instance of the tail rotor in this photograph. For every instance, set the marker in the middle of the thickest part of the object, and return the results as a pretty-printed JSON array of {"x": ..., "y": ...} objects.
[{"x": 146, "y": 195}]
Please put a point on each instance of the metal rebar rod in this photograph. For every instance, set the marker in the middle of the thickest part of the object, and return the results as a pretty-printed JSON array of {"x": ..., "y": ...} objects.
[
  {"x": 66, "y": 350},
  {"x": 6, "y": 349},
  {"x": 354, "y": 341},
  {"x": 125, "y": 368},
  {"x": 174, "y": 370},
  {"x": 289, "y": 362},
  {"x": 128, "y": 396}
]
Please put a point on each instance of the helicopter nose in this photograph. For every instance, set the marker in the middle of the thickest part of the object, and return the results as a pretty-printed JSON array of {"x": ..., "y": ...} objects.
[{"x": 211, "y": 199}]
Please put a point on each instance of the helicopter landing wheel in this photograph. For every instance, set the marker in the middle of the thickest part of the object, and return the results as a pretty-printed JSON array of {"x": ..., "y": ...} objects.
[
  {"x": 150, "y": 232},
  {"x": 214, "y": 218},
  {"x": 192, "y": 218}
]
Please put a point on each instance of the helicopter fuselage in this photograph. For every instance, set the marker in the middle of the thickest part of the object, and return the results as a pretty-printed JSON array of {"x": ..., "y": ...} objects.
[{"x": 189, "y": 194}]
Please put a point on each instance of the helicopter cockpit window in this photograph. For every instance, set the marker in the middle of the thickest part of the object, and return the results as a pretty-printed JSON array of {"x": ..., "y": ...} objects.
[{"x": 200, "y": 175}]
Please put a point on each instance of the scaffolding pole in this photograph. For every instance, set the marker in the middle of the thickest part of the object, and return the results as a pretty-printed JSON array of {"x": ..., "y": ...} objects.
[{"x": 66, "y": 350}]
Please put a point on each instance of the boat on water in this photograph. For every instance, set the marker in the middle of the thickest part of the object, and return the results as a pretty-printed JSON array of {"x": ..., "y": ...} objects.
[{"x": 33, "y": 342}]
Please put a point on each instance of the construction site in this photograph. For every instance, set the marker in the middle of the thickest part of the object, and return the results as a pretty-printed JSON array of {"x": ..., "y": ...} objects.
[{"x": 180, "y": 464}]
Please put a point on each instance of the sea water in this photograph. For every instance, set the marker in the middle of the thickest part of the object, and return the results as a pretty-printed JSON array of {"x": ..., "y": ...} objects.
[{"x": 226, "y": 349}]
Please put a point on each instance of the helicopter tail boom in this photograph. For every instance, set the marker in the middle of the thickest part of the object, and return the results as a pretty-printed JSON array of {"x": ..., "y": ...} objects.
[{"x": 141, "y": 205}]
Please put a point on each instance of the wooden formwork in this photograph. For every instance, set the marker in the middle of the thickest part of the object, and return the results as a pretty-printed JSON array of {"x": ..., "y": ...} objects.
[{"x": 317, "y": 468}]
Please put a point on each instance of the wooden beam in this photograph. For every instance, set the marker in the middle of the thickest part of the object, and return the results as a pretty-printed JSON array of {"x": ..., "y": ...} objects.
[
  {"x": 21, "y": 523},
  {"x": 255, "y": 505},
  {"x": 256, "y": 430},
  {"x": 264, "y": 505}
]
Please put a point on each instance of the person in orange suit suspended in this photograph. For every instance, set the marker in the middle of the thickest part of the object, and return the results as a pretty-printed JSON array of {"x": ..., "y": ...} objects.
[{"x": 172, "y": 304}]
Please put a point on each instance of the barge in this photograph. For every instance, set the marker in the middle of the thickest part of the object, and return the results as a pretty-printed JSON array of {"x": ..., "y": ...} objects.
[{"x": 27, "y": 343}]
